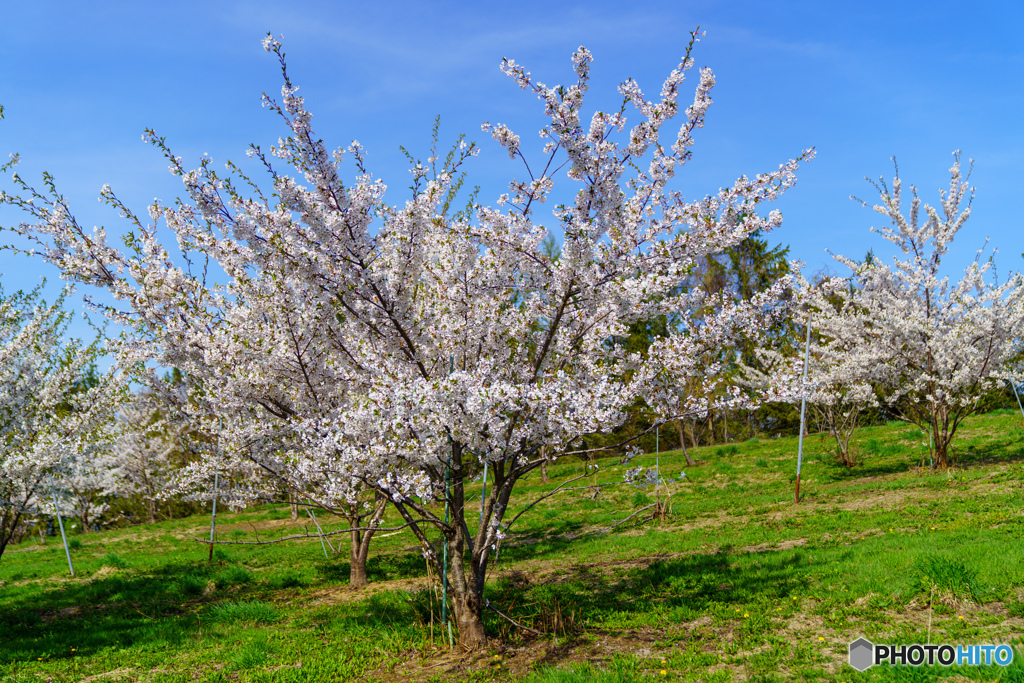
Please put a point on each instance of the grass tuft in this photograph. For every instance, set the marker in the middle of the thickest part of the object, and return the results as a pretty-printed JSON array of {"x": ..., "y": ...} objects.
[
  {"x": 288, "y": 580},
  {"x": 114, "y": 560},
  {"x": 620, "y": 670},
  {"x": 190, "y": 585},
  {"x": 232, "y": 576},
  {"x": 252, "y": 654},
  {"x": 252, "y": 612},
  {"x": 951, "y": 581}
]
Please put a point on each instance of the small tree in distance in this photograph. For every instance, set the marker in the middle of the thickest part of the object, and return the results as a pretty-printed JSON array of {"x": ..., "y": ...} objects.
[
  {"x": 50, "y": 424},
  {"x": 142, "y": 455},
  {"x": 933, "y": 347},
  {"x": 840, "y": 375}
]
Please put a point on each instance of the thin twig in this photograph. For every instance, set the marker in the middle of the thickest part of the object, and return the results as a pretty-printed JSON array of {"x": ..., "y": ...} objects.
[
  {"x": 142, "y": 613},
  {"x": 622, "y": 443},
  {"x": 509, "y": 619},
  {"x": 632, "y": 516},
  {"x": 307, "y": 535},
  {"x": 546, "y": 495}
]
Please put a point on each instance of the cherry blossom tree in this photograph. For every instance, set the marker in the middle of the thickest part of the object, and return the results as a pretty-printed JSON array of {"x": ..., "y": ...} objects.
[
  {"x": 935, "y": 346},
  {"x": 49, "y": 424},
  {"x": 85, "y": 484},
  {"x": 701, "y": 349},
  {"x": 842, "y": 371},
  {"x": 145, "y": 454},
  {"x": 398, "y": 348}
]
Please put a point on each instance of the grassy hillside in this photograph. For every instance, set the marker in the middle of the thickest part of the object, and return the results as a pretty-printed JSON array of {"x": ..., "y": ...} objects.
[{"x": 737, "y": 582}]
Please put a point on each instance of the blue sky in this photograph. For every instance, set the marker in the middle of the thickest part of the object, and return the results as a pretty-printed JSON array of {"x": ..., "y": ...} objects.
[{"x": 860, "y": 81}]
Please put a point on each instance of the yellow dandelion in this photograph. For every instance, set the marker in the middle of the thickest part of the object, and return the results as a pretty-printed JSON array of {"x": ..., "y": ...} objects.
[
  {"x": 821, "y": 638},
  {"x": 745, "y": 616},
  {"x": 664, "y": 661},
  {"x": 960, "y": 616},
  {"x": 664, "y": 673}
]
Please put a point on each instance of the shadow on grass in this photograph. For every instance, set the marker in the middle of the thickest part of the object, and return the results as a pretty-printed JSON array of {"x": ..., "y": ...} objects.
[
  {"x": 664, "y": 592},
  {"x": 835, "y": 472},
  {"x": 987, "y": 454},
  {"x": 79, "y": 618},
  {"x": 378, "y": 568},
  {"x": 553, "y": 540}
]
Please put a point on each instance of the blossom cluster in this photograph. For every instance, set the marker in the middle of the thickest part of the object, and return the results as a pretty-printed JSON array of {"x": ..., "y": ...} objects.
[
  {"x": 52, "y": 421},
  {"x": 902, "y": 333},
  {"x": 358, "y": 344}
]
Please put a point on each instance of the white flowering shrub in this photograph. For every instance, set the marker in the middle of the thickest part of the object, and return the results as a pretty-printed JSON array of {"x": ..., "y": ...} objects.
[
  {"x": 50, "y": 426},
  {"x": 932, "y": 346},
  {"x": 358, "y": 345}
]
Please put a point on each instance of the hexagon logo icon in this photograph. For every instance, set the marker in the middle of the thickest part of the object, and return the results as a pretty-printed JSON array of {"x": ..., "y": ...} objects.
[{"x": 862, "y": 654}]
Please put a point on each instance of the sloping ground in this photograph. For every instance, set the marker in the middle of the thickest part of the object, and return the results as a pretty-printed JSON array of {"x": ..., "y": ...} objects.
[{"x": 736, "y": 583}]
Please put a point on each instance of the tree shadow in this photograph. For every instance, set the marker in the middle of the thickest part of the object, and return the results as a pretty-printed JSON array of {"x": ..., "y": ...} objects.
[
  {"x": 152, "y": 610},
  {"x": 665, "y": 592},
  {"x": 987, "y": 454}
]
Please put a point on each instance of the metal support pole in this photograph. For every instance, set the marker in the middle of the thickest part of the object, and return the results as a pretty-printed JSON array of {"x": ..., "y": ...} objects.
[
  {"x": 657, "y": 464},
  {"x": 447, "y": 506},
  {"x": 213, "y": 516},
  {"x": 56, "y": 505},
  {"x": 657, "y": 471},
  {"x": 803, "y": 409},
  {"x": 320, "y": 531},
  {"x": 483, "y": 494},
  {"x": 1013, "y": 385}
]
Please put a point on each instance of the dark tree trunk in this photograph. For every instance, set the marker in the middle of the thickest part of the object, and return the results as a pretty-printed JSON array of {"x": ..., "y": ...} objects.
[
  {"x": 468, "y": 554},
  {"x": 357, "y": 568},
  {"x": 8, "y": 524},
  {"x": 682, "y": 441},
  {"x": 359, "y": 541},
  {"x": 468, "y": 613}
]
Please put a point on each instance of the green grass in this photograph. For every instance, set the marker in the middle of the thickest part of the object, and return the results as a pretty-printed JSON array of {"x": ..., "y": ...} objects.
[
  {"x": 253, "y": 654},
  {"x": 737, "y": 582},
  {"x": 253, "y": 612},
  {"x": 619, "y": 670},
  {"x": 190, "y": 586},
  {"x": 114, "y": 560},
  {"x": 232, "y": 576},
  {"x": 948, "y": 576}
]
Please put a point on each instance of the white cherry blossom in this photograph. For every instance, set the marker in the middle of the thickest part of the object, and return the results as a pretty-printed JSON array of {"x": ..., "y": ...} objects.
[{"x": 358, "y": 345}]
